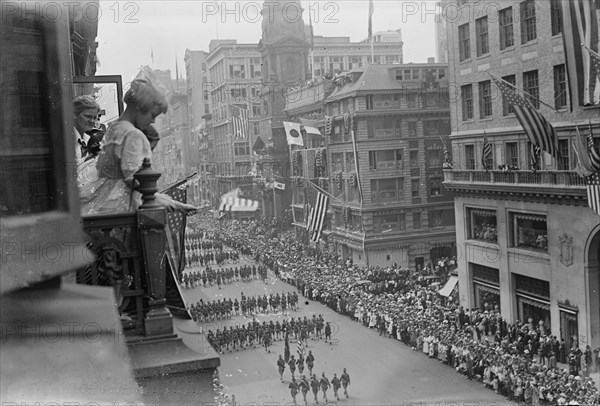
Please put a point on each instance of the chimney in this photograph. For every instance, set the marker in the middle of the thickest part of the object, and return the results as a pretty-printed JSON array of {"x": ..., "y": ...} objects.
[{"x": 431, "y": 60}]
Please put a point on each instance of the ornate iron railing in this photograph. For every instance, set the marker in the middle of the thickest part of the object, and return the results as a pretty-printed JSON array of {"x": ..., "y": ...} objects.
[
  {"x": 525, "y": 178},
  {"x": 130, "y": 251},
  {"x": 118, "y": 263}
]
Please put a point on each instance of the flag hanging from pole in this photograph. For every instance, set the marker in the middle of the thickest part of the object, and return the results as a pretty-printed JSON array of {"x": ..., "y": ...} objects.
[
  {"x": 584, "y": 166},
  {"x": 580, "y": 39},
  {"x": 316, "y": 216},
  {"x": 539, "y": 130},
  {"x": 593, "y": 191},
  {"x": 300, "y": 349},
  {"x": 240, "y": 122},
  {"x": 534, "y": 154},
  {"x": 175, "y": 231},
  {"x": 486, "y": 154},
  {"x": 293, "y": 133},
  {"x": 371, "y": 11},
  {"x": 447, "y": 159},
  {"x": 286, "y": 355},
  {"x": 594, "y": 156}
]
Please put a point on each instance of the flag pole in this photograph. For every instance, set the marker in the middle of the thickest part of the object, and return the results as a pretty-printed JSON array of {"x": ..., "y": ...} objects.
[
  {"x": 372, "y": 52},
  {"x": 522, "y": 91},
  {"x": 322, "y": 191},
  {"x": 591, "y": 51}
]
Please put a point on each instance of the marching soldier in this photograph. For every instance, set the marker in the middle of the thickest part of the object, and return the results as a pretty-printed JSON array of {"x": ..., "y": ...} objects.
[
  {"x": 281, "y": 366},
  {"x": 304, "y": 387},
  {"x": 328, "y": 333},
  {"x": 310, "y": 362},
  {"x": 324, "y": 386},
  {"x": 345, "y": 380},
  {"x": 335, "y": 383},
  {"x": 314, "y": 385},
  {"x": 293, "y": 388}
]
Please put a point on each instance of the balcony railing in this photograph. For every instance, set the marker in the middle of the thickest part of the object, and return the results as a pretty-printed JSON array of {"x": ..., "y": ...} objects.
[
  {"x": 130, "y": 249},
  {"x": 550, "y": 178}
]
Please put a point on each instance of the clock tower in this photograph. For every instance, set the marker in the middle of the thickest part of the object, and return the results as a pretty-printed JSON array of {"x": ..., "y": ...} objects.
[{"x": 284, "y": 56}]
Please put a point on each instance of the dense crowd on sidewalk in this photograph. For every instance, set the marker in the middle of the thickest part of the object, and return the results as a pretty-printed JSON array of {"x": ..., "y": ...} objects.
[{"x": 517, "y": 360}]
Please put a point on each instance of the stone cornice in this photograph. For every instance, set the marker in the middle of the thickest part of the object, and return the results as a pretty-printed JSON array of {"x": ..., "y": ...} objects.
[{"x": 575, "y": 196}]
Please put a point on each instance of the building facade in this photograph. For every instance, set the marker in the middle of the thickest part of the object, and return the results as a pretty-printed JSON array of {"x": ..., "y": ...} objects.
[
  {"x": 196, "y": 87},
  {"x": 388, "y": 204},
  {"x": 338, "y": 54},
  {"x": 234, "y": 78},
  {"x": 527, "y": 242}
]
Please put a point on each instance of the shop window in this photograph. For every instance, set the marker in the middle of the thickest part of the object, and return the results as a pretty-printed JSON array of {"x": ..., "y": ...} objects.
[
  {"x": 482, "y": 225},
  {"x": 529, "y": 231}
]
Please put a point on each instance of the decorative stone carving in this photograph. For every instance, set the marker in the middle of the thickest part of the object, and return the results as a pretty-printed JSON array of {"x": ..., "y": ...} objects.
[{"x": 566, "y": 249}]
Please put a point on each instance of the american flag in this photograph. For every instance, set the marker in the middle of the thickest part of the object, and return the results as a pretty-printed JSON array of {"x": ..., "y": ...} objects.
[
  {"x": 240, "y": 122},
  {"x": 580, "y": 27},
  {"x": 594, "y": 156},
  {"x": 486, "y": 154},
  {"x": 539, "y": 130},
  {"x": 237, "y": 204},
  {"x": 316, "y": 216},
  {"x": 175, "y": 232},
  {"x": 447, "y": 158},
  {"x": 300, "y": 349},
  {"x": 593, "y": 191},
  {"x": 534, "y": 153}
]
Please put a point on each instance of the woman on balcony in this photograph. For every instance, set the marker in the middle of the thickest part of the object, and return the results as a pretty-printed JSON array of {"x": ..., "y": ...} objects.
[{"x": 124, "y": 148}]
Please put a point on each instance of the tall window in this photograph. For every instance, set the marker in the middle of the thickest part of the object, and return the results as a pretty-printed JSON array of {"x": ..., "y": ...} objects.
[
  {"x": 485, "y": 99},
  {"x": 556, "y": 17},
  {"x": 512, "y": 154},
  {"x": 528, "y": 29},
  {"x": 564, "y": 161},
  {"x": 481, "y": 28},
  {"x": 416, "y": 220},
  {"x": 560, "y": 87},
  {"x": 414, "y": 187},
  {"x": 507, "y": 107},
  {"x": 466, "y": 93},
  {"x": 470, "y": 157},
  {"x": 464, "y": 44},
  {"x": 505, "y": 18},
  {"x": 531, "y": 87}
]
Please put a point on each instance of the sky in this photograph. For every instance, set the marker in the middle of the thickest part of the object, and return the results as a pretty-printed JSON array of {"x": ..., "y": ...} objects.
[{"x": 131, "y": 32}]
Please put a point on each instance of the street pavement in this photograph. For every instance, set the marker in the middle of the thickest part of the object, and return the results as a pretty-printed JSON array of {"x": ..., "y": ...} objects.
[{"x": 382, "y": 370}]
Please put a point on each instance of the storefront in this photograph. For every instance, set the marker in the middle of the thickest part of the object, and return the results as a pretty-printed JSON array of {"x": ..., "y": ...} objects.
[
  {"x": 569, "y": 328},
  {"x": 486, "y": 286},
  {"x": 533, "y": 300}
]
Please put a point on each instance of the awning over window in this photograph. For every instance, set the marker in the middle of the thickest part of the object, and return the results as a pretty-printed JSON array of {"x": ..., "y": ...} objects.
[
  {"x": 485, "y": 213},
  {"x": 530, "y": 217},
  {"x": 449, "y": 286}
]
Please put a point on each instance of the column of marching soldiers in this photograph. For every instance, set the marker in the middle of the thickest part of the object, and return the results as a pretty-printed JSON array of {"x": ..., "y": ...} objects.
[{"x": 204, "y": 252}]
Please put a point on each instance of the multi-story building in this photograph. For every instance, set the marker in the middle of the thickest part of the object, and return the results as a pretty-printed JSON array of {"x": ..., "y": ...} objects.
[
  {"x": 527, "y": 242},
  {"x": 172, "y": 156},
  {"x": 441, "y": 37},
  {"x": 234, "y": 80},
  {"x": 388, "y": 204},
  {"x": 196, "y": 74},
  {"x": 338, "y": 54}
]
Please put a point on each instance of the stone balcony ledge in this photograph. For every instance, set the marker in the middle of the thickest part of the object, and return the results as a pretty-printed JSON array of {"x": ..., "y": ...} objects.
[{"x": 562, "y": 179}]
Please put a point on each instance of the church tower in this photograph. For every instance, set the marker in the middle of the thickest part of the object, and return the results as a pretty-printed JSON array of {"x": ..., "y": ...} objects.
[
  {"x": 284, "y": 56},
  {"x": 283, "y": 46}
]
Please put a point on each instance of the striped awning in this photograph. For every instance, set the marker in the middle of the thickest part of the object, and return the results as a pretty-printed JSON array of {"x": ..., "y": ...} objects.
[
  {"x": 530, "y": 217},
  {"x": 483, "y": 212},
  {"x": 449, "y": 286}
]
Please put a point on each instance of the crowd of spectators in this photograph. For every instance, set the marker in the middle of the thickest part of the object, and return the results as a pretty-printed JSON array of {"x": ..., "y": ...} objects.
[{"x": 402, "y": 305}]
